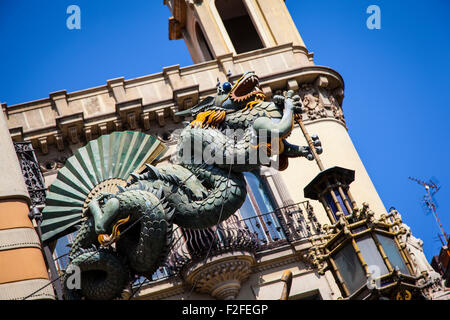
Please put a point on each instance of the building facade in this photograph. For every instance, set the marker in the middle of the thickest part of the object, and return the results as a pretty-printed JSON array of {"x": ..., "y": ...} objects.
[{"x": 323, "y": 219}]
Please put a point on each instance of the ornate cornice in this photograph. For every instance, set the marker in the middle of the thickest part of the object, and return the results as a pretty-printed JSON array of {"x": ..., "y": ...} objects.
[{"x": 221, "y": 276}]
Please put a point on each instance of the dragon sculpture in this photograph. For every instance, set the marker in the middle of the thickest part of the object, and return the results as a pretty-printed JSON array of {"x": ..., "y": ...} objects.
[{"x": 190, "y": 193}]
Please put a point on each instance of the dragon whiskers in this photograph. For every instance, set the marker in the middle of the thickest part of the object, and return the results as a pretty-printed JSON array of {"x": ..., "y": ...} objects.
[{"x": 209, "y": 119}]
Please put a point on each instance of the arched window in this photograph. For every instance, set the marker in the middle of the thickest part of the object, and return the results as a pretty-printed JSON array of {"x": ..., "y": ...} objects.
[
  {"x": 258, "y": 210},
  {"x": 203, "y": 44},
  {"x": 239, "y": 25}
]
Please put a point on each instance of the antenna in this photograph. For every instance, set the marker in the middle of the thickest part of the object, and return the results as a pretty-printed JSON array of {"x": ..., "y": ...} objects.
[
  {"x": 440, "y": 238},
  {"x": 431, "y": 189}
]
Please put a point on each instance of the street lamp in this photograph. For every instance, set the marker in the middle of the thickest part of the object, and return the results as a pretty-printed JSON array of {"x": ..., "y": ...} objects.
[{"x": 365, "y": 255}]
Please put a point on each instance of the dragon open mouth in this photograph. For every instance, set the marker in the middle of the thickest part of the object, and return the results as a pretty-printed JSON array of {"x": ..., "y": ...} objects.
[{"x": 247, "y": 87}]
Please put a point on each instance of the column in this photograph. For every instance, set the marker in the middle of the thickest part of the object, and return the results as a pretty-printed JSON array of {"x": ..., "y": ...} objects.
[{"x": 22, "y": 265}]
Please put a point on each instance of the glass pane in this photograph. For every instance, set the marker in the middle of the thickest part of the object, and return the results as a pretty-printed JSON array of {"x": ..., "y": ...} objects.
[
  {"x": 372, "y": 256},
  {"x": 62, "y": 249},
  {"x": 350, "y": 268},
  {"x": 330, "y": 202},
  {"x": 341, "y": 202},
  {"x": 251, "y": 220},
  {"x": 257, "y": 210},
  {"x": 259, "y": 192},
  {"x": 391, "y": 250}
]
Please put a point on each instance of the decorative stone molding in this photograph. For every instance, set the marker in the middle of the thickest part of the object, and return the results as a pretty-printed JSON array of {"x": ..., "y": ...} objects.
[
  {"x": 157, "y": 290},
  {"x": 173, "y": 110},
  {"x": 276, "y": 263},
  {"x": 292, "y": 84},
  {"x": 16, "y": 134},
  {"x": 117, "y": 125},
  {"x": 318, "y": 101},
  {"x": 73, "y": 134},
  {"x": 267, "y": 90},
  {"x": 131, "y": 120},
  {"x": 160, "y": 117},
  {"x": 186, "y": 97},
  {"x": 129, "y": 112},
  {"x": 102, "y": 128},
  {"x": 118, "y": 89},
  {"x": 59, "y": 141},
  {"x": 88, "y": 133},
  {"x": 59, "y": 100},
  {"x": 71, "y": 126},
  {"x": 172, "y": 76},
  {"x": 146, "y": 120},
  {"x": 431, "y": 281},
  {"x": 226, "y": 62},
  {"x": 178, "y": 22},
  {"x": 19, "y": 238},
  {"x": 43, "y": 145},
  {"x": 21, "y": 289},
  {"x": 221, "y": 276},
  {"x": 172, "y": 87}
]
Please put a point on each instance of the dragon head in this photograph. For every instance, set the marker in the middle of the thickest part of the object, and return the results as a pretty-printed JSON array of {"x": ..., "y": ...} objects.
[
  {"x": 211, "y": 111},
  {"x": 246, "y": 89}
]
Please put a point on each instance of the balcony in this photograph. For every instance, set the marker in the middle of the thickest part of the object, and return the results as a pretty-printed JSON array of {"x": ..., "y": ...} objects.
[{"x": 217, "y": 260}]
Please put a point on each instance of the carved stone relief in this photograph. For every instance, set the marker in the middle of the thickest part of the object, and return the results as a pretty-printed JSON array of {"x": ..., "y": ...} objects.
[
  {"x": 319, "y": 102},
  {"x": 318, "y": 105}
]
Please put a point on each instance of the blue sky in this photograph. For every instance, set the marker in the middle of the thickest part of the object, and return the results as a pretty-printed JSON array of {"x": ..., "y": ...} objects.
[{"x": 396, "y": 97}]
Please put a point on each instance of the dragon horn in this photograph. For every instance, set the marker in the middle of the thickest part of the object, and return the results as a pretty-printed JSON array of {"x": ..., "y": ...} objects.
[
  {"x": 134, "y": 175},
  {"x": 159, "y": 193},
  {"x": 185, "y": 113},
  {"x": 153, "y": 173},
  {"x": 170, "y": 214}
]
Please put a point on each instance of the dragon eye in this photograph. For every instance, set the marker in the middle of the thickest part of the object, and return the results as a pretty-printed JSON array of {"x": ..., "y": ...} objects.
[{"x": 226, "y": 87}]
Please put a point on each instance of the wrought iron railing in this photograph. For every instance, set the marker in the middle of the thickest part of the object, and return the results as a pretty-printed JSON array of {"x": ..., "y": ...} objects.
[
  {"x": 298, "y": 221},
  {"x": 283, "y": 225},
  {"x": 279, "y": 227},
  {"x": 192, "y": 246},
  {"x": 31, "y": 172}
]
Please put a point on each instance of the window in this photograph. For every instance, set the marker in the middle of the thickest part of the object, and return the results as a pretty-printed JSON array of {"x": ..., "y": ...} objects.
[
  {"x": 371, "y": 255},
  {"x": 391, "y": 250},
  {"x": 333, "y": 205},
  {"x": 62, "y": 249},
  {"x": 239, "y": 25},
  {"x": 350, "y": 268},
  {"x": 258, "y": 210}
]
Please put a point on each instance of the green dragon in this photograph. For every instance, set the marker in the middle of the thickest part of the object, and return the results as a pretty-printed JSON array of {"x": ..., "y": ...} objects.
[{"x": 237, "y": 130}]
